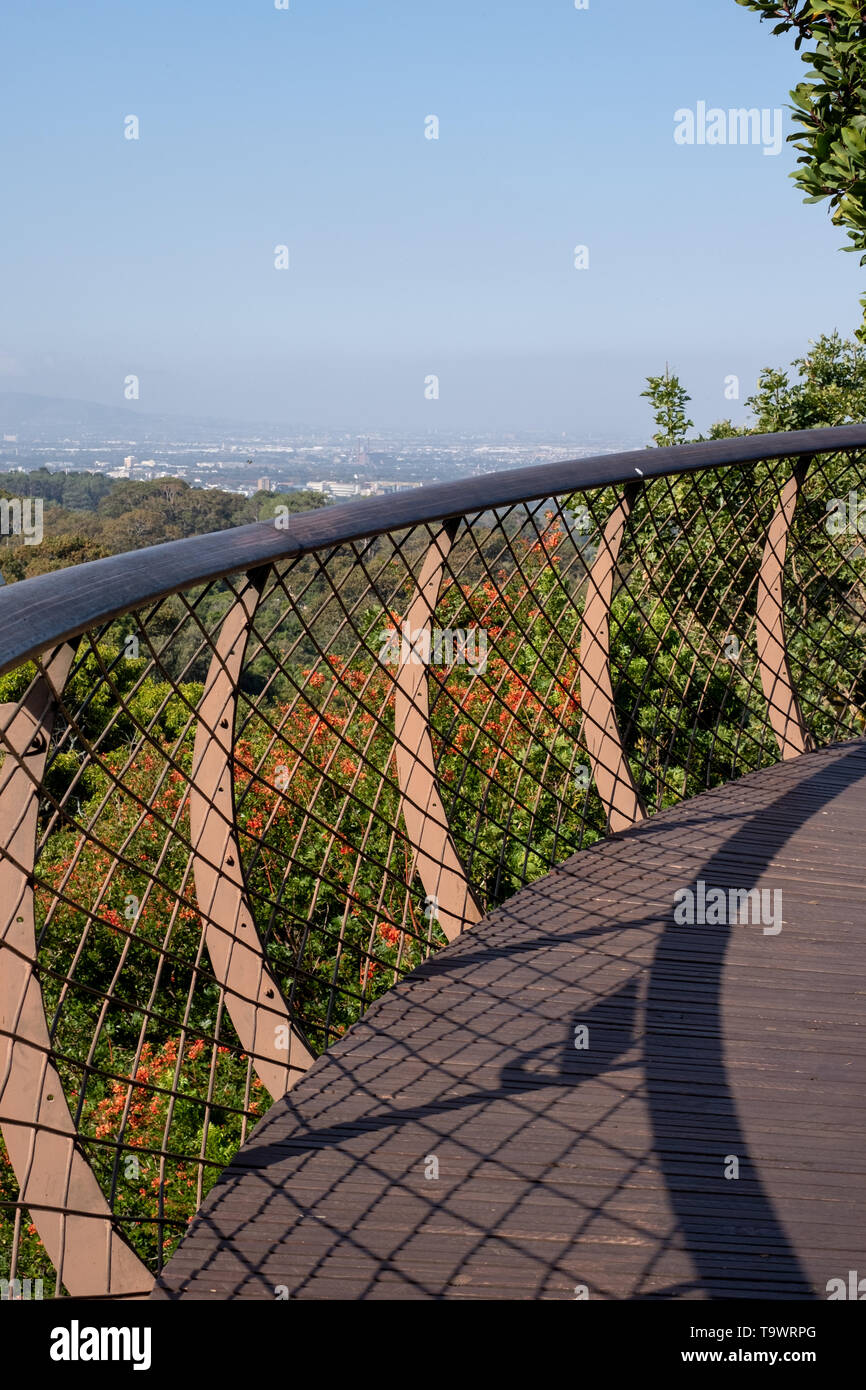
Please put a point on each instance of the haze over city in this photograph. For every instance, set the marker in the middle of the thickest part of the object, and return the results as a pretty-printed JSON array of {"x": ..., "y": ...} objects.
[{"x": 406, "y": 257}]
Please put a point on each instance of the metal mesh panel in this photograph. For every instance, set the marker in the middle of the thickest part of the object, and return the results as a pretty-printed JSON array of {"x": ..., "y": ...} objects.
[{"x": 231, "y": 819}]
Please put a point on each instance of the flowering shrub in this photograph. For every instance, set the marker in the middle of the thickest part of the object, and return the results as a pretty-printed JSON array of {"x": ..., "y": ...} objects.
[
  {"x": 151, "y": 1065},
  {"x": 168, "y": 1130}
]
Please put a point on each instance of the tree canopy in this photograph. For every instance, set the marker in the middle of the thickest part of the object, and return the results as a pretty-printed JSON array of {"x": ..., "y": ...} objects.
[
  {"x": 829, "y": 107},
  {"x": 88, "y": 516}
]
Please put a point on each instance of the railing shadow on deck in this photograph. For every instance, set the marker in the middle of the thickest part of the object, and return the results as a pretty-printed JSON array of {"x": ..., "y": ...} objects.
[
  {"x": 630, "y": 1027},
  {"x": 238, "y": 800}
]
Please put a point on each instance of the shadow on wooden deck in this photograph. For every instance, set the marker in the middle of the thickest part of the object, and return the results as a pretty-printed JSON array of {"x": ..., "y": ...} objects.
[{"x": 711, "y": 1050}]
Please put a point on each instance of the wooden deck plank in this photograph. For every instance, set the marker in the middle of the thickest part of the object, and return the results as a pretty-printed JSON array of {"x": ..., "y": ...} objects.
[{"x": 603, "y": 1167}]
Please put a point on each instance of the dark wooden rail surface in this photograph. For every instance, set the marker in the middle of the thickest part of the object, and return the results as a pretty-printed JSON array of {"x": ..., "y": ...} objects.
[
  {"x": 50, "y": 609},
  {"x": 562, "y": 1169}
]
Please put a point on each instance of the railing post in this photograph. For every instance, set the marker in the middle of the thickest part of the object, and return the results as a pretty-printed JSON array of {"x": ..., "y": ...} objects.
[
  {"x": 786, "y": 717},
  {"x": 261, "y": 1015},
  {"x": 56, "y": 1183},
  {"x": 438, "y": 863},
  {"x": 613, "y": 777}
]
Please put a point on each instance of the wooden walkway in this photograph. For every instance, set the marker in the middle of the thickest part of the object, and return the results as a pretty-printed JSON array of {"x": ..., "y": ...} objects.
[{"x": 601, "y": 1167}]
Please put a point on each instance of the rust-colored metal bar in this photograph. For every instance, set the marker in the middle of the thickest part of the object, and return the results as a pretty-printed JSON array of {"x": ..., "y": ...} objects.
[
  {"x": 437, "y": 862},
  {"x": 786, "y": 717},
  {"x": 56, "y": 1183},
  {"x": 613, "y": 778},
  {"x": 258, "y": 1010}
]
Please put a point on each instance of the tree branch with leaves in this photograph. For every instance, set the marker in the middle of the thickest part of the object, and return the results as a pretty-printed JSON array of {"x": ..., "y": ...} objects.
[{"x": 830, "y": 108}]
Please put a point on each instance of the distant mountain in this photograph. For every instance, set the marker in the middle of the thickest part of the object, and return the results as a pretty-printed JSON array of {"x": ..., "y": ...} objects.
[{"x": 53, "y": 418}]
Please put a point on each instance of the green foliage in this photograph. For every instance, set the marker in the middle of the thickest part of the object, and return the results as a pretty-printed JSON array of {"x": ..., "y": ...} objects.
[
  {"x": 88, "y": 516},
  {"x": 830, "y": 108},
  {"x": 147, "y": 1055},
  {"x": 669, "y": 400},
  {"x": 827, "y": 387}
]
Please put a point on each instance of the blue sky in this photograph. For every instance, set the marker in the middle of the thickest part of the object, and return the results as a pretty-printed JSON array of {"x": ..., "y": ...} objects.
[{"x": 408, "y": 256}]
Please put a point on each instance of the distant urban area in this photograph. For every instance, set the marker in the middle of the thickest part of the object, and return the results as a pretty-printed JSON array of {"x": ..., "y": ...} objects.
[
  {"x": 81, "y": 481},
  {"x": 337, "y": 465}
]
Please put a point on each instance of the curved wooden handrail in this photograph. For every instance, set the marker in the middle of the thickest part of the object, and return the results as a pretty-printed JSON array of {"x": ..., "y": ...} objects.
[
  {"x": 41, "y": 612},
  {"x": 48, "y": 613}
]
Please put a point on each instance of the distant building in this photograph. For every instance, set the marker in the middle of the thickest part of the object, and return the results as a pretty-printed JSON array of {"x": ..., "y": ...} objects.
[
  {"x": 263, "y": 485},
  {"x": 382, "y": 485},
  {"x": 335, "y": 489},
  {"x": 130, "y": 461}
]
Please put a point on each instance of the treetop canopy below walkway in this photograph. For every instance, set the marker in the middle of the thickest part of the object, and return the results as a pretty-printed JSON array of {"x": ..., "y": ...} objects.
[{"x": 253, "y": 780}]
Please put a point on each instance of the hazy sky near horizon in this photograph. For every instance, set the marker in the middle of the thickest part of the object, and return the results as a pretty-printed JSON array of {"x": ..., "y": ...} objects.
[{"x": 409, "y": 257}]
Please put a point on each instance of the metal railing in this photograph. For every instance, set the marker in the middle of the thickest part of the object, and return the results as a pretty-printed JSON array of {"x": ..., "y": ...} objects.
[{"x": 251, "y": 779}]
